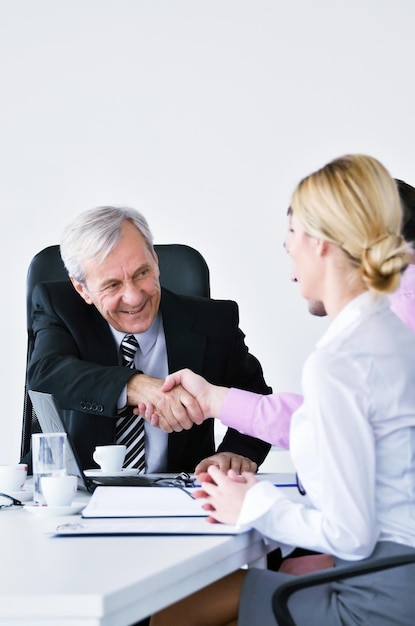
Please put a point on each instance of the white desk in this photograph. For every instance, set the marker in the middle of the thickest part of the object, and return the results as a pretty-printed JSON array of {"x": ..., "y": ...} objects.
[{"x": 105, "y": 581}]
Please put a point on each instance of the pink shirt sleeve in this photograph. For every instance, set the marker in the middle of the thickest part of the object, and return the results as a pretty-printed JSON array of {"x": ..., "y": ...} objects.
[
  {"x": 265, "y": 417},
  {"x": 403, "y": 300}
]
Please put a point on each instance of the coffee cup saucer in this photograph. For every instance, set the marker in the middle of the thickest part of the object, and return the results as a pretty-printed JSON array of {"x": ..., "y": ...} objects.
[
  {"x": 54, "y": 511},
  {"x": 97, "y": 473},
  {"x": 23, "y": 495}
]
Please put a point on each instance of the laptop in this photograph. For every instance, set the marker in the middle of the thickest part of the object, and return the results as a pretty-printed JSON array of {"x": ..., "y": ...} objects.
[{"x": 50, "y": 421}]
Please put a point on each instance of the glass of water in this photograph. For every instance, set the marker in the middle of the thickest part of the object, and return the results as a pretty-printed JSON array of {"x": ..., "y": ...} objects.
[{"x": 48, "y": 457}]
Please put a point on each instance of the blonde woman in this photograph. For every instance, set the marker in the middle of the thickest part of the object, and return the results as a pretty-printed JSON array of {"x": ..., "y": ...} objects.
[{"x": 353, "y": 439}]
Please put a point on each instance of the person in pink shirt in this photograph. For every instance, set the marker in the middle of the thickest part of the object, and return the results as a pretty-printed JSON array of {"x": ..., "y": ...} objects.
[{"x": 403, "y": 299}]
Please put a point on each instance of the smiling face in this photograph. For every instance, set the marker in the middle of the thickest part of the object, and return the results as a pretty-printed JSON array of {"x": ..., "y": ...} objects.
[{"x": 125, "y": 286}]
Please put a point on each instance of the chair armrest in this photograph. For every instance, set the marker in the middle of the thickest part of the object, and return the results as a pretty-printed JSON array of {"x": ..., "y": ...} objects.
[{"x": 284, "y": 591}]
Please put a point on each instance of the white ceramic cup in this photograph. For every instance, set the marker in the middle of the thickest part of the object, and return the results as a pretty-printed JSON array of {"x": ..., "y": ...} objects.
[
  {"x": 12, "y": 477},
  {"x": 59, "y": 490},
  {"x": 110, "y": 458}
]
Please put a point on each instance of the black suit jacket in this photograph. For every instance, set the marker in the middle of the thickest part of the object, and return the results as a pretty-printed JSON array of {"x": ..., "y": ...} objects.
[{"x": 75, "y": 358}]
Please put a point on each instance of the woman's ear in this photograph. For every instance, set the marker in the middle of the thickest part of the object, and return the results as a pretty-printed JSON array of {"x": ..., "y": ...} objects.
[{"x": 322, "y": 247}]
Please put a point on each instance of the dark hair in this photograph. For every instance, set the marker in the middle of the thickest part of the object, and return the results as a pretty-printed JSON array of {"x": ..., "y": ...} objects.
[{"x": 407, "y": 196}]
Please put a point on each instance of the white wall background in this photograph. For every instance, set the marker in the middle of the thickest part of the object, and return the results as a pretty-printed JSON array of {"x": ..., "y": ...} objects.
[{"x": 204, "y": 115}]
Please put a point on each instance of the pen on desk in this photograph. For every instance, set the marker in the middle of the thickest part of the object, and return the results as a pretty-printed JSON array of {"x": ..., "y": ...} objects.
[
  {"x": 285, "y": 484},
  {"x": 275, "y": 485},
  {"x": 300, "y": 486}
]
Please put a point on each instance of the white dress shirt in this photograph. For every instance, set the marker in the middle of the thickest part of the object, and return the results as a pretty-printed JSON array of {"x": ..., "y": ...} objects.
[{"x": 352, "y": 441}]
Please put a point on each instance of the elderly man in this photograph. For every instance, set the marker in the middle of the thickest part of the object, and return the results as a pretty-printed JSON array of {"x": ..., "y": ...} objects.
[{"x": 115, "y": 305}]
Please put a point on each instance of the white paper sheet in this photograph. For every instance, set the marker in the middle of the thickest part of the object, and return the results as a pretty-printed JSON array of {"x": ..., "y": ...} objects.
[{"x": 143, "y": 502}]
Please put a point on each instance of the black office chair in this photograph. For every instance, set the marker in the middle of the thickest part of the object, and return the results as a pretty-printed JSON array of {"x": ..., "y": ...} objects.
[
  {"x": 182, "y": 270},
  {"x": 282, "y": 594}
]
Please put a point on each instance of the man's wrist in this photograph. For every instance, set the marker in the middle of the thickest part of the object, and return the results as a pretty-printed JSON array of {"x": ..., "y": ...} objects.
[{"x": 131, "y": 387}]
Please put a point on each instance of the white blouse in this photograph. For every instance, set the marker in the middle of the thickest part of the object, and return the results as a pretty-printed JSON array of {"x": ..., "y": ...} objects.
[{"x": 352, "y": 441}]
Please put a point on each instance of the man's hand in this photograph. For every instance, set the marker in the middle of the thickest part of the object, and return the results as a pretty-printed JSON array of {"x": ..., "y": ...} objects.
[
  {"x": 224, "y": 493},
  {"x": 176, "y": 409},
  {"x": 199, "y": 398},
  {"x": 226, "y": 461},
  {"x": 209, "y": 397}
]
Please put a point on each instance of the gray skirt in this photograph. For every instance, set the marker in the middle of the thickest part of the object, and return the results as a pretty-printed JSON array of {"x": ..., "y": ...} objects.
[{"x": 380, "y": 599}]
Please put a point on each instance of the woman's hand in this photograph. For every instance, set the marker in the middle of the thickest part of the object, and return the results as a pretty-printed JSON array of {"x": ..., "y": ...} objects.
[
  {"x": 200, "y": 400},
  {"x": 224, "y": 493}
]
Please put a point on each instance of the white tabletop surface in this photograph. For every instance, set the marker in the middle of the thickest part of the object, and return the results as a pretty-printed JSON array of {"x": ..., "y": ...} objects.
[{"x": 104, "y": 581}]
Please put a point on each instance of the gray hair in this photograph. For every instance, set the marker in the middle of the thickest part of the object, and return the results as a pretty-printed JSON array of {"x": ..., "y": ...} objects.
[{"x": 95, "y": 233}]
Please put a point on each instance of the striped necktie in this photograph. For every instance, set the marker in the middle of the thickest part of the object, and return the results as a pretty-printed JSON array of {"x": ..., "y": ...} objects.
[{"x": 130, "y": 427}]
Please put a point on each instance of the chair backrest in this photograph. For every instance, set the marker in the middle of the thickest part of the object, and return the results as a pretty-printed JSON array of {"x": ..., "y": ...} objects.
[
  {"x": 182, "y": 270},
  {"x": 285, "y": 590}
]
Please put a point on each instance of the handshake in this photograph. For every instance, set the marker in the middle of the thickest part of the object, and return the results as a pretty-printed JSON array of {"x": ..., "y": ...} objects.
[
  {"x": 183, "y": 399},
  {"x": 177, "y": 403}
]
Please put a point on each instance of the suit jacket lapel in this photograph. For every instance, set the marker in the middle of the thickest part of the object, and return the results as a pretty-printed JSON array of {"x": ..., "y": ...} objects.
[
  {"x": 101, "y": 342},
  {"x": 185, "y": 345}
]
